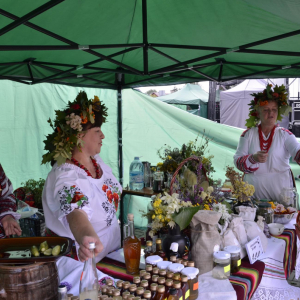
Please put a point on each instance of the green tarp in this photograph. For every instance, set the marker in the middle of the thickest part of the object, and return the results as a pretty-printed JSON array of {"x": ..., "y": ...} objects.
[
  {"x": 150, "y": 42},
  {"x": 190, "y": 94}
]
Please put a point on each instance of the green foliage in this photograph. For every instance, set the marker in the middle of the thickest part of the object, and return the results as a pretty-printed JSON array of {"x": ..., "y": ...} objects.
[
  {"x": 36, "y": 188},
  {"x": 184, "y": 217}
]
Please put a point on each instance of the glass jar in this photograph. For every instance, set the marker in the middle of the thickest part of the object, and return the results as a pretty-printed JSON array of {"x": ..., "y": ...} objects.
[
  {"x": 175, "y": 267},
  {"x": 163, "y": 264},
  {"x": 153, "y": 260},
  {"x": 265, "y": 210},
  {"x": 235, "y": 253},
  {"x": 192, "y": 274},
  {"x": 221, "y": 269}
]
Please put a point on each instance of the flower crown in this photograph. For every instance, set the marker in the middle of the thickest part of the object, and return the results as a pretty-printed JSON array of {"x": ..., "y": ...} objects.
[
  {"x": 278, "y": 94},
  {"x": 67, "y": 126}
]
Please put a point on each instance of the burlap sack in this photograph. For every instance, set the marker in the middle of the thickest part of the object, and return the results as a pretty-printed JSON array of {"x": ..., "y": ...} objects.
[
  {"x": 205, "y": 239},
  {"x": 238, "y": 229},
  {"x": 247, "y": 213},
  {"x": 253, "y": 230}
]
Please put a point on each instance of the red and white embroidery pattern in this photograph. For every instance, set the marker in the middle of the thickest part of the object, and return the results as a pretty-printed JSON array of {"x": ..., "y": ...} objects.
[
  {"x": 283, "y": 129},
  {"x": 243, "y": 134},
  {"x": 242, "y": 165}
]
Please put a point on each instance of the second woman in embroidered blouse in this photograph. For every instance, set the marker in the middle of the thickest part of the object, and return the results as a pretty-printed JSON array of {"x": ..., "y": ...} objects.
[
  {"x": 81, "y": 195},
  {"x": 264, "y": 151}
]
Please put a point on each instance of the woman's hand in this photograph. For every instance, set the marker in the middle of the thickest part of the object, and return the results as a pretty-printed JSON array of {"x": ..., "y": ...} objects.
[
  {"x": 83, "y": 252},
  {"x": 10, "y": 226},
  {"x": 260, "y": 156}
]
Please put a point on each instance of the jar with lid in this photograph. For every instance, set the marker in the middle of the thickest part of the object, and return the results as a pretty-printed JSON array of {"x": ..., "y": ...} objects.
[
  {"x": 147, "y": 295},
  {"x": 235, "y": 253},
  {"x": 147, "y": 276},
  {"x": 175, "y": 268},
  {"x": 162, "y": 273},
  {"x": 154, "y": 278},
  {"x": 177, "y": 286},
  {"x": 169, "y": 275},
  {"x": 176, "y": 276},
  {"x": 191, "y": 263},
  {"x": 185, "y": 287},
  {"x": 221, "y": 269},
  {"x": 142, "y": 272},
  {"x": 153, "y": 259},
  {"x": 155, "y": 271},
  {"x": 153, "y": 288},
  {"x": 163, "y": 264},
  {"x": 119, "y": 284},
  {"x": 116, "y": 292},
  {"x": 265, "y": 210},
  {"x": 149, "y": 269},
  {"x": 160, "y": 292},
  {"x": 132, "y": 289},
  {"x": 125, "y": 286},
  {"x": 192, "y": 274}
]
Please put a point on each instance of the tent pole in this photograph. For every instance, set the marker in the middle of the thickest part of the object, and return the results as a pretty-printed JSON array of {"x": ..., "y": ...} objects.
[
  {"x": 211, "y": 113},
  {"x": 145, "y": 36}
]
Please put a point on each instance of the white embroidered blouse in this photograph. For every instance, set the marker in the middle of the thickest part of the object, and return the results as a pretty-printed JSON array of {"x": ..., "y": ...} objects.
[{"x": 68, "y": 187}]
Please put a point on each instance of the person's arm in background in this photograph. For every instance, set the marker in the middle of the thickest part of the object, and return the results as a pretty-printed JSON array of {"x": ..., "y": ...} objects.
[{"x": 8, "y": 208}]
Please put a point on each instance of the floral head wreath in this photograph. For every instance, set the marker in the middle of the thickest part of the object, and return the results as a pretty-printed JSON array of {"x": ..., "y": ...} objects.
[
  {"x": 67, "y": 126},
  {"x": 278, "y": 94}
]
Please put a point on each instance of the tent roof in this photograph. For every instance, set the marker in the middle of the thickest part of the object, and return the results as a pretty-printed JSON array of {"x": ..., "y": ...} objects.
[
  {"x": 85, "y": 43},
  {"x": 189, "y": 95},
  {"x": 248, "y": 85}
]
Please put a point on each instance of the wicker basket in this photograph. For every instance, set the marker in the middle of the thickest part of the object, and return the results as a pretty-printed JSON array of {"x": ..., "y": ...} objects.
[{"x": 192, "y": 158}]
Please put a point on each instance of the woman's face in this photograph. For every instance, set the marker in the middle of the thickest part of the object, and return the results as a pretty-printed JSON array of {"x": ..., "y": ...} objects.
[
  {"x": 93, "y": 141},
  {"x": 268, "y": 113}
]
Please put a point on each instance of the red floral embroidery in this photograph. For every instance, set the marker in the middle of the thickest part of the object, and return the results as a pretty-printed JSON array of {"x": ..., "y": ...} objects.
[
  {"x": 77, "y": 197},
  {"x": 104, "y": 188},
  {"x": 115, "y": 196}
]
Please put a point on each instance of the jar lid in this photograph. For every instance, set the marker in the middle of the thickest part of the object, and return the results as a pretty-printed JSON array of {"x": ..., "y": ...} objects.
[
  {"x": 163, "y": 264},
  {"x": 264, "y": 200},
  {"x": 232, "y": 249},
  {"x": 264, "y": 204},
  {"x": 175, "y": 267},
  {"x": 191, "y": 272},
  {"x": 153, "y": 259},
  {"x": 221, "y": 255}
]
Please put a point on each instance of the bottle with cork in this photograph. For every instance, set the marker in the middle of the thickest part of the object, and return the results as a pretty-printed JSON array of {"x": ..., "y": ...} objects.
[
  {"x": 159, "y": 250},
  {"x": 149, "y": 249},
  {"x": 131, "y": 247}
]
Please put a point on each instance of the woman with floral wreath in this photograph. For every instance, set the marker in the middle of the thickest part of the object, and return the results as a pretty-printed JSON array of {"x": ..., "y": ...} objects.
[
  {"x": 81, "y": 195},
  {"x": 264, "y": 149}
]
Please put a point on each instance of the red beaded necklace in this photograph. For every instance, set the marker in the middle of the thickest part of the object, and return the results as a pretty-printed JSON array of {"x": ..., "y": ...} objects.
[
  {"x": 97, "y": 167},
  {"x": 265, "y": 144}
]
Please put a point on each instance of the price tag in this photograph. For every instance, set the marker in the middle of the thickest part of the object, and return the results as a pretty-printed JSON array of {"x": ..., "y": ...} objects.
[{"x": 254, "y": 249}]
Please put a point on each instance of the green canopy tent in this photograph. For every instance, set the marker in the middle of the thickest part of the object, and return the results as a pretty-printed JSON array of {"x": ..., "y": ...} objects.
[
  {"x": 120, "y": 44},
  {"x": 192, "y": 95}
]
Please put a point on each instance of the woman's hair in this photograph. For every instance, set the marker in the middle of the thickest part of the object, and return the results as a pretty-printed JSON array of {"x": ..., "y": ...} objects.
[{"x": 98, "y": 122}]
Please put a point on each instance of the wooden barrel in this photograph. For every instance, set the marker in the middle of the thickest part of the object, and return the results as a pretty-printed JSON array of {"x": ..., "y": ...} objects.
[{"x": 37, "y": 281}]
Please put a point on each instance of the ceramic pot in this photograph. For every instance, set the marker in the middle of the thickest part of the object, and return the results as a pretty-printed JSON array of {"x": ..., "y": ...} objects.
[{"x": 176, "y": 236}]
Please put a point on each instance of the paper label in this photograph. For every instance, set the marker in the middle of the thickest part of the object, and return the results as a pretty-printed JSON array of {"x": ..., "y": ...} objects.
[
  {"x": 195, "y": 286},
  {"x": 187, "y": 294},
  {"x": 239, "y": 263},
  {"x": 180, "y": 298},
  {"x": 227, "y": 269},
  {"x": 254, "y": 249}
]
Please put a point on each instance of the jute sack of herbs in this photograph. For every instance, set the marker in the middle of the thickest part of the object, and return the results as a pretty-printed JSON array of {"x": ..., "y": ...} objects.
[{"x": 205, "y": 239}]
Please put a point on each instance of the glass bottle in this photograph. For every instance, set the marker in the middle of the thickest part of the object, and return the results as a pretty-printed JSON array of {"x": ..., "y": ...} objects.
[
  {"x": 184, "y": 262},
  {"x": 159, "y": 250},
  {"x": 132, "y": 289},
  {"x": 176, "y": 277},
  {"x": 148, "y": 250},
  {"x": 139, "y": 292},
  {"x": 185, "y": 287},
  {"x": 174, "y": 250},
  {"x": 160, "y": 293},
  {"x": 169, "y": 275},
  {"x": 179, "y": 261},
  {"x": 168, "y": 285},
  {"x": 104, "y": 289},
  {"x": 147, "y": 276},
  {"x": 162, "y": 273},
  {"x": 137, "y": 280},
  {"x": 132, "y": 247},
  {"x": 62, "y": 292},
  {"x": 125, "y": 286},
  {"x": 125, "y": 295},
  {"x": 154, "y": 278},
  {"x": 119, "y": 284},
  {"x": 155, "y": 271},
  {"x": 153, "y": 289},
  {"x": 110, "y": 291},
  {"x": 149, "y": 269},
  {"x": 177, "y": 285},
  {"x": 144, "y": 284},
  {"x": 161, "y": 280},
  {"x": 190, "y": 263},
  {"x": 173, "y": 258},
  {"x": 88, "y": 287},
  {"x": 172, "y": 294},
  {"x": 147, "y": 295},
  {"x": 142, "y": 272},
  {"x": 116, "y": 292}
]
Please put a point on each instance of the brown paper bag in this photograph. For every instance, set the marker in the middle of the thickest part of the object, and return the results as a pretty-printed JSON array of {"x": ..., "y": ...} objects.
[{"x": 205, "y": 239}]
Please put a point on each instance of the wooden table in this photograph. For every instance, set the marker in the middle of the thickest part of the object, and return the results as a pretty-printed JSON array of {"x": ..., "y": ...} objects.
[{"x": 145, "y": 192}]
